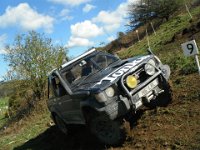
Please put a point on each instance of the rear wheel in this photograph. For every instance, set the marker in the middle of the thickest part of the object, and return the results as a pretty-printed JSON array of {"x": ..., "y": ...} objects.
[
  {"x": 107, "y": 131},
  {"x": 61, "y": 125}
]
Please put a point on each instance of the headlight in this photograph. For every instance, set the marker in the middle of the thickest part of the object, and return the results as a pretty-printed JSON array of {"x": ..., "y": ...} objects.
[
  {"x": 150, "y": 67},
  {"x": 103, "y": 96},
  {"x": 110, "y": 92},
  {"x": 131, "y": 81}
]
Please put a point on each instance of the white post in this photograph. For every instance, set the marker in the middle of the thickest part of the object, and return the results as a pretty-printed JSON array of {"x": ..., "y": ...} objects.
[
  {"x": 197, "y": 61},
  {"x": 137, "y": 35},
  {"x": 153, "y": 28},
  {"x": 188, "y": 10},
  {"x": 147, "y": 38}
]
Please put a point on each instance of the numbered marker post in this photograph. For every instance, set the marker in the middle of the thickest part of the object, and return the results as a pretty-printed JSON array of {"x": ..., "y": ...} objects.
[{"x": 190, "y": 49}]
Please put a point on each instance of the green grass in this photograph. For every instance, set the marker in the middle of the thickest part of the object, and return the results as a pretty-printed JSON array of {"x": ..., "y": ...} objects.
[
  {"x": 24, "y": 130},
  {"x": 164, "y": 35},
  {"x": 3, "y": 102},
  {"x": 3, "y": 107}
]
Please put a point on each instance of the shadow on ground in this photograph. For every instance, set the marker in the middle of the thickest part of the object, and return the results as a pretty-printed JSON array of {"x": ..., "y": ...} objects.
[
  {"x": 80, "y": 138},
  {"x": 53, "y": 139}
]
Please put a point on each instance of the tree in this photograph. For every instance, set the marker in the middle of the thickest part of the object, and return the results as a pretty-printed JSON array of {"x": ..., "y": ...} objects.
[
  {"x": 145, "y": 10},
  {"x": 120, "y": 35},
  {"x": 139, "y": 13},
  {"x": 164, "y": 8},
  {"x": 31, "y": 58}
]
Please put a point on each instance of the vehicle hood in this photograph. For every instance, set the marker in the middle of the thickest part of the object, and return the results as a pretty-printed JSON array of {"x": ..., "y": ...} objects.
[{"x": 109, "y": 76}]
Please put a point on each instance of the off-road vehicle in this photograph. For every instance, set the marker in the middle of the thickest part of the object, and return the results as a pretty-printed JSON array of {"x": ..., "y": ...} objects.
[{"x": 98, "y": 89}]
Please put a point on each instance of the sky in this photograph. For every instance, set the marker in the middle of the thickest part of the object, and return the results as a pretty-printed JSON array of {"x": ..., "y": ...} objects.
[{"x": 75, "y": 24}]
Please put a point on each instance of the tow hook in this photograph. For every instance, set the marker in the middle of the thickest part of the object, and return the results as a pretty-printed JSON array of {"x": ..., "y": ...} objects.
[{"x": 161, "y": 91}]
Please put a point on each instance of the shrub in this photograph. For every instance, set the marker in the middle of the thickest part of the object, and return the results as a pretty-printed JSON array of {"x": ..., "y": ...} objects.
[{"x": 178, "y": 62}]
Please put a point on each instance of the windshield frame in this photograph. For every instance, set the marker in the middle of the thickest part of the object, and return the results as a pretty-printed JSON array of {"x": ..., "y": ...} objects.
[{"x": 90, "y": 57}]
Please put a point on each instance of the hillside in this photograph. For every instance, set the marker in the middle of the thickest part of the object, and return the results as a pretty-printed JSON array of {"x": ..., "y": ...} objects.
[{"x": 173, "y": 127}]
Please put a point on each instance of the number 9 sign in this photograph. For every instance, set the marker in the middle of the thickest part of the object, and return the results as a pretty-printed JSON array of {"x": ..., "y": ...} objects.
[{"x": 190, "y": 48}]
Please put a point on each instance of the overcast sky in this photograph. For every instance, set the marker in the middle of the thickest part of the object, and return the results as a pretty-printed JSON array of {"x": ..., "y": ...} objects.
[{"x": 76, "y": 24}]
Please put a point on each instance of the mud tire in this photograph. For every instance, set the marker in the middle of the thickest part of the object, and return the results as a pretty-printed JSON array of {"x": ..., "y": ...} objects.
[{"x": 109, "y": 132}]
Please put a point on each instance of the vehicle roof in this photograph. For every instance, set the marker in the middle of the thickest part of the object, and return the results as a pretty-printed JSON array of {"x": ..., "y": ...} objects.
[{"x": 77, "y": 58}]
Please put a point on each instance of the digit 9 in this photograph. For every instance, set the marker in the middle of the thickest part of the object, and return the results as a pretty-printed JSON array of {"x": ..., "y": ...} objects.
[{"x": 190, "y": 47}]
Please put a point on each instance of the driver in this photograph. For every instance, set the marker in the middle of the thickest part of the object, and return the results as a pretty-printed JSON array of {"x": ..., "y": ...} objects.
[{"x": 87, "y": 69}]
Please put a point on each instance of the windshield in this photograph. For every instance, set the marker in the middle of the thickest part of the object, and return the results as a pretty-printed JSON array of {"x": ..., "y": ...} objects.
[{"x": 80, "y": 71}]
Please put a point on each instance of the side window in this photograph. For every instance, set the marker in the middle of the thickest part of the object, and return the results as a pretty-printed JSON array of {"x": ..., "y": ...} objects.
[{"x": 58, "y": 89}]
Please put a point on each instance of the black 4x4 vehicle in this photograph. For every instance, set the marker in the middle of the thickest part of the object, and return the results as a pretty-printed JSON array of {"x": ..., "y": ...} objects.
[{"x": 98, "y": 89}]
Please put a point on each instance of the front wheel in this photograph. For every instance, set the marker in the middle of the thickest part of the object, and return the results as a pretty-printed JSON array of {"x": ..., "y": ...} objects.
[
  {"x": 165, "y": 98},
  {"x": 107, "y": 131}
]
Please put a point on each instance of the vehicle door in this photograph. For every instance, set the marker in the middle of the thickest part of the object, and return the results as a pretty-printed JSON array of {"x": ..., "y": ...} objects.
[{"x": 68, "y": 108}]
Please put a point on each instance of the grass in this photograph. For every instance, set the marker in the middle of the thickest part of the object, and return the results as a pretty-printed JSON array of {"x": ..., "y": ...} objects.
[
  {"x": 24, "y": 130},
  {"x": 3, "y": 107},
  {"x": 3, "y": 102},
  {"x": 164, "y": 34}
]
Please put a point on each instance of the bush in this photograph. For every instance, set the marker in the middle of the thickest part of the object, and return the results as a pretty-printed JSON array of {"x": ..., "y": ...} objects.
[
  {"x": 188, "y": 68},
  {"x": 6, "y": 114},
  {"x": 178, "y": 62},
  {"x": 14, "y": 104}
]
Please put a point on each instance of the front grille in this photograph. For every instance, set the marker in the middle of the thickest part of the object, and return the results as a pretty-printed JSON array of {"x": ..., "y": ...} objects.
[{"x": 142, "y": 78}]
